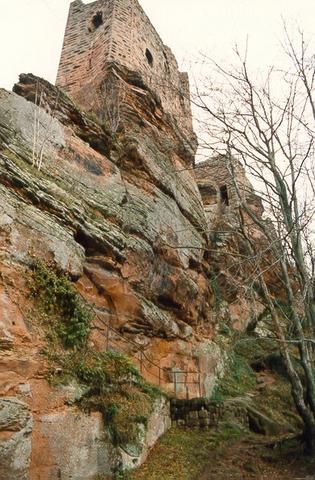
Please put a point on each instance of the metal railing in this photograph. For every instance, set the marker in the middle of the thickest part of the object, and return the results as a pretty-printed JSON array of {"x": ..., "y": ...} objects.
[{"x": 155, "y": 373}]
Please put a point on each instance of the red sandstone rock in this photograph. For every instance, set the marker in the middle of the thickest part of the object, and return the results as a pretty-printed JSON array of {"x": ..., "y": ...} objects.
[{"x": 122, "y": 215}]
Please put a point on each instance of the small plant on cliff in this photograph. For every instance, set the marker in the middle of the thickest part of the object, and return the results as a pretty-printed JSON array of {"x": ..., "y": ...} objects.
[
  {"x": 68, "y": 315},
  {"x": 111, "y": 383},
  {"x": 41, "y": 134},
  {"x": 114, "y": 387}
]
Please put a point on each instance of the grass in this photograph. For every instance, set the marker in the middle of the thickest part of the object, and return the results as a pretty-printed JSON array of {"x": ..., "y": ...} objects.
[
  {"x": 182, "y": 454},
  {"x": 276, "y": 401},
  {"x": 238, "y": 379},
  {"x": 253, "y": 348}
]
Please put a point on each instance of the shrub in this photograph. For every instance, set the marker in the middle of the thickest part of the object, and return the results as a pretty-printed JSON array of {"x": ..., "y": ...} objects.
[
  {"x": 236, "y": 381},
  {"x": 114, "y": 387},
  {"x": 68, "y": 315}
]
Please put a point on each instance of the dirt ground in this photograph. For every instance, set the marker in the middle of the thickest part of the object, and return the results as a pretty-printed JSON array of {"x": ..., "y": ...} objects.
[
  {"x": 259, "y": 460},
  {"x": 195, "y": 455},
  {"x": 233, "y": 452}
]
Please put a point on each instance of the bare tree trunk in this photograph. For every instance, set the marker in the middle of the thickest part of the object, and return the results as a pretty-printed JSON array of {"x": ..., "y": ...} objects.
[
  {"x": 306, "y": 413},
  {"x": 305, "y": 404}
]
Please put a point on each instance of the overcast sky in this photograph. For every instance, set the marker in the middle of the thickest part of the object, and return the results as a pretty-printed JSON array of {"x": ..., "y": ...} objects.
[{"x": 31, "y": 31}]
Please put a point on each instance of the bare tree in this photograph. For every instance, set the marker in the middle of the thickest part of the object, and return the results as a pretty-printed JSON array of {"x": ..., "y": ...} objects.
[
  {"x": 267, "y": 125},
  {"x": 109, "y": 101},
  {"x": 41, "y": 132}
]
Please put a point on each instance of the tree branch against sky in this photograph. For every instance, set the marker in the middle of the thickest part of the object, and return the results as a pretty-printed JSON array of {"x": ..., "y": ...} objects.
[{"x": 266, "y": 122}]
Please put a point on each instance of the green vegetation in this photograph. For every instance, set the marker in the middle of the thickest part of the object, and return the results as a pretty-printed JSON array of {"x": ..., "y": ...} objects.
[
  {"x": 184, "y": 455},
  {"x": 253, "y": 348},
  {"x": 117, "y": 474},
  {"x": 113, "y": 386},
  {"x": 110, "y": 383},
  {"x": 69, "y": 317},
  {"x": 236, "y": 381},
  {"x": 264, "y": 353}
]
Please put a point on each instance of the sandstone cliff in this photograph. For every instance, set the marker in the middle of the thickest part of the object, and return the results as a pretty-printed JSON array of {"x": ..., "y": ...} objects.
[{"x": 122, "y": 216}]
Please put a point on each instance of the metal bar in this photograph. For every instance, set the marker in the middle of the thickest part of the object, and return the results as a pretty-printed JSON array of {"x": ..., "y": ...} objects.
[
  {"x": 175, "y": 383},
  {"x": 107, "y": 338},
  {"x": 186, "y": 386},
  {"x": 143, "y": 356},
  {"x": 179, "y": 382}
]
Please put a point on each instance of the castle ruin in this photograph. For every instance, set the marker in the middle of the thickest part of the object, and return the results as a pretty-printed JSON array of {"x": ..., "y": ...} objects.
[
  {"x": 115, "y": 40},
  {"x": 109, "y": 33}
]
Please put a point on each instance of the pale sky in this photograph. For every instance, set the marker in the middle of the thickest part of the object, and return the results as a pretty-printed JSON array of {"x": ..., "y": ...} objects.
[{"x": 31, "y": 31}]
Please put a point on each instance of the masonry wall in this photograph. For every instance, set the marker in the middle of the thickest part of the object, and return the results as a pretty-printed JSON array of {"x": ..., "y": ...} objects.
[
  {"x": 214, "y": 179},
  {"x": 214, "y": 174},
  {"x": 128, "y": 38},
  {"x": 83, "y": 52},
  {"x": 133, "y": 36}
]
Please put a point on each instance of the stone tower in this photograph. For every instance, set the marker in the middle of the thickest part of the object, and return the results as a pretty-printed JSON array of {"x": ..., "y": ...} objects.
[{"x": 107, "y": 34}]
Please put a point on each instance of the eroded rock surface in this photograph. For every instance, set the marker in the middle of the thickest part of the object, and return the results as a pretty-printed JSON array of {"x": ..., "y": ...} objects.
[
  {"x": 127, "y": 225},
  {"x": 15, "y": 439},
  {"x": 122, "y": 215}
]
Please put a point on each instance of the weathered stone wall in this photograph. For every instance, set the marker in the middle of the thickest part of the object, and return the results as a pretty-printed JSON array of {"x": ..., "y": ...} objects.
[
  {"x": 218, "y": 191},
  {"x": 204, "y": 413},
  {"x": 126, "y": 36},
  {"x": 84, "y": 52}
]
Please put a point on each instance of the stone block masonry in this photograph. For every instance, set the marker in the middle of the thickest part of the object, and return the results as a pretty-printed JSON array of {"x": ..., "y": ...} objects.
[
  {"x": 218, "y": 192},
  {"x": 204, "y": 413},
  {"x": 118, "y": 31}
]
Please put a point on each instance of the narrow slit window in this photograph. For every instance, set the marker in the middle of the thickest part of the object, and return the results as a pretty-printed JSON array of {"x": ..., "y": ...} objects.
[
  {"x": 224, "y": 195},
  {"x": 97, "y": 21},
  {"x": 149, "y": 56}
]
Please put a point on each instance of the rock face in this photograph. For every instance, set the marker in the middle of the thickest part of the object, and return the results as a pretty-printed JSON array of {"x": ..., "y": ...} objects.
[
  {"x": 90, "y": 451},
  {"x": 15, "y": 439},
  {"x": 113, "y": 202},
  {"x": 127, "y": 225},
  {"x": 122, "y": 215}
]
